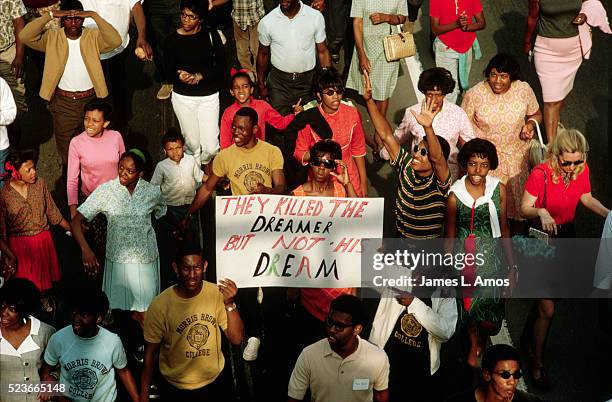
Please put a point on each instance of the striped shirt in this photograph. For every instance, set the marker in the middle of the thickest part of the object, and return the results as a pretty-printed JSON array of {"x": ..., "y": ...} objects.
[{"x": 420, "y": 202}]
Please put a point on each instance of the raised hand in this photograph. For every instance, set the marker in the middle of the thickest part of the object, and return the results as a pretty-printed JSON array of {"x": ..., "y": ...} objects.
[
  {"x": 298, "y": 108},
  {"x": 427, "y": 115},
  {"x": 228, "y": 289}
]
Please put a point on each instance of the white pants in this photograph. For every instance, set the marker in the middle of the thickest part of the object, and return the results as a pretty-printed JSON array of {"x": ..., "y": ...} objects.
[
  {"x": 199, "y": 120},
  {"x": 449, "y": 59}
]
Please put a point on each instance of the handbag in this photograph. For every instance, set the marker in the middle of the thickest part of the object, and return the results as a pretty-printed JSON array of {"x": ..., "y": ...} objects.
[
  {"x": 398, "y": 46},
  {"x": 536, "y": 150}
]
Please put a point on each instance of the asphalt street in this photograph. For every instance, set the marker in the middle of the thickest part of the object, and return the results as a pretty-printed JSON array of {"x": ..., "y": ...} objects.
[{"x": 579, "y": 350}]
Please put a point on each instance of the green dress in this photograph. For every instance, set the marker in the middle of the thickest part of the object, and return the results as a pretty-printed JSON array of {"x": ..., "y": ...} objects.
[{"x": 487, "y": 304}]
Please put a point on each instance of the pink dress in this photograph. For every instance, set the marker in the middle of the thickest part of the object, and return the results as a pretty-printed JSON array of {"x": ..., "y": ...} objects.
[
  {"x": 347, "y": 131},
  {"x": 499, "y": 119}
]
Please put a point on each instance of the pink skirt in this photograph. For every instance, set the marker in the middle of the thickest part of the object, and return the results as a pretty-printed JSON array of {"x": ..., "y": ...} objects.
[
  {"x": 556, "y": 61},
  {"x": 36, "y": 259}
]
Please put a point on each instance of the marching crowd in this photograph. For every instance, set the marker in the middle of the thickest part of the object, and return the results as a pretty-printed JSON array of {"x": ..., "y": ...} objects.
[{"x": 145, "y": 324}]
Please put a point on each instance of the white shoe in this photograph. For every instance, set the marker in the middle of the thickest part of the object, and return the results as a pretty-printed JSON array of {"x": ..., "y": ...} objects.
[
  {"x": 251, "y": 349},
  {"x": 164, "y": 92}
]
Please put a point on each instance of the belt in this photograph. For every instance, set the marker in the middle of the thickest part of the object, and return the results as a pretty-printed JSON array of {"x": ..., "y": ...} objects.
[
  {"x": 293, "y": 76},
  {"x": 75, "y": 95}
]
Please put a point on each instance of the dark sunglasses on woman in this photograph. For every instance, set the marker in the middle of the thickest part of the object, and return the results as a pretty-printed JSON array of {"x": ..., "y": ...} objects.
[
  {"x": 569, "y": 163},
  {"x": 415, "y": 150},
  {"x": 327, "y": 163},
  {"x": 332, "y": 91}
]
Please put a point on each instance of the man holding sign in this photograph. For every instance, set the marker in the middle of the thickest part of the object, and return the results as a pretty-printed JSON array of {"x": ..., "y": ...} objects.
[{"x": 252, "y": 166}]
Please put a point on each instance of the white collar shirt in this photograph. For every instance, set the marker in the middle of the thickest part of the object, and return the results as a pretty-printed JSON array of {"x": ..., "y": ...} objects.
[{"x": 178, "y": 181}]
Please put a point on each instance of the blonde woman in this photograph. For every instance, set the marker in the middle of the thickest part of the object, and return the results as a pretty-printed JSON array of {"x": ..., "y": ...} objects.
[{"x": 552, "y": 193}]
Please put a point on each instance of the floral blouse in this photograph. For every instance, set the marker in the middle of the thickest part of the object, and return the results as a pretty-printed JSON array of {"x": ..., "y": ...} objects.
[{"x": 130, "y": 237}]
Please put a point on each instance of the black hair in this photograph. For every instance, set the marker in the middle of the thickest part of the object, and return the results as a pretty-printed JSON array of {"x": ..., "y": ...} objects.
[
  {"x": 248, "y": 112},
  {"x": 436, "y": 78},
  {"x": 186, "y": 248},
  {"x": 498, "y": 353},
  {"x": 351, "y": 305},
  {"x": 67, "y": 5},
  {"x": 102, "y": 105},
  {"x": 327, "y": 146},
  {"x": 198, "y": 7},
  {"x": 480, "y": 147},
  {"x": 139, "y": 162},
  {"x": 443, "y": 144},
  {"x": 504, "y": 63},
  {"x": 18, "y": 157},
  {"x": 22, "y": 294},
  {"x": 88, "y": 299},
  {"x": 242, "y": 74},
  {"x": 327, "y": 78},
  {"x": 173, "y": 134}
]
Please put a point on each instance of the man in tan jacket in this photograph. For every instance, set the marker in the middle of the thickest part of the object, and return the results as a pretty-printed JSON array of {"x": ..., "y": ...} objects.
[{"x": 73, "y": 74}]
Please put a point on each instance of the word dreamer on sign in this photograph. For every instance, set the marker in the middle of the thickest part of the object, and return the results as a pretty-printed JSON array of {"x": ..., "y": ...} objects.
[{"x": 294, "y": 206}]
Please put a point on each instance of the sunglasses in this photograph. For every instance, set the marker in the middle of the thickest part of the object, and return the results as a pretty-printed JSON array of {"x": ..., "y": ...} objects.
[
  {"x": 423, "y": 151},
  {"x": 506, "y": 374},
  {"x": 569, "y": 163},
  {"x": 327, "y": 163},
  {"x": 332, "y": 91},
  {"x": 339, "y": 325}
]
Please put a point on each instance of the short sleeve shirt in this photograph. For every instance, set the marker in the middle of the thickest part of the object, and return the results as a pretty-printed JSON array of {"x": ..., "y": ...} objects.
[
  {"x": 332, "y": 378},
  {"x": 421, "y": 201},
  {"x": 188, "y": 331},
  {"x": 292, "y": 41},
  {"x": 87, "y": 364},
  {"x": 178, "y": 181},
  {"x": 246, "y": 168},
  {"x": 130, "y": 236},
  {"x": 559, "y": 201},
  {"x": 9, "y": 10},
  {"x": 447, "y": 12}
]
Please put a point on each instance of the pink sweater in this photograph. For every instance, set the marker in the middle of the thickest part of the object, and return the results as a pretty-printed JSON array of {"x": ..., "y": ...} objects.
[
  {"x": 266, "y": 114},
  {"x": 95, "y": 160}
]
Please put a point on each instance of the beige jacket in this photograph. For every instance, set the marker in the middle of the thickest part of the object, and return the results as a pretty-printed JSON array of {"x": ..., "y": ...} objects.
[{"x": 55, "y": 45}]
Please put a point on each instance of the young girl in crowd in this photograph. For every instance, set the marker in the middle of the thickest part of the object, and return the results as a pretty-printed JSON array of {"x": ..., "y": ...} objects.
[
  {"x": 242, "y": 91},
  {"x": 476, "y": 217},
  {"x": 92, "y": 160},
  {"x": 26, "y": 211},
  {"x": 131, "y": 273}
]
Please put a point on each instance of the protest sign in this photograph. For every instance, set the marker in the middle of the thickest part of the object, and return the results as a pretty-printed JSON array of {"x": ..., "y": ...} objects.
[{"x": 311, "y": 242}]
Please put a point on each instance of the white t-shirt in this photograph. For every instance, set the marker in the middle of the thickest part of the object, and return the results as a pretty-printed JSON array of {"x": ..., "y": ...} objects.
[
  {"x": 292, "y": 41},
  {"x": 75, "y": 77},
  {"x": 8, "y": 111},
  {"x": 87, "y": 364},
  {"x": 115, "y": 12}
]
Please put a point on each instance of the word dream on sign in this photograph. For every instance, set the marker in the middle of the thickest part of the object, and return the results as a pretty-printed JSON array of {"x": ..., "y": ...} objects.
[{"x": 310, "y": 242}]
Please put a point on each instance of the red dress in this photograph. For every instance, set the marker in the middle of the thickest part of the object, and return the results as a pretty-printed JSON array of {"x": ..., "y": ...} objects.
[
  {"x": 347, "y": 131},
  {"x": 24, "y": 223}
]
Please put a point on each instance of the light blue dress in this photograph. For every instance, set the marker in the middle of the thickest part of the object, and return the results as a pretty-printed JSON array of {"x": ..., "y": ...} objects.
[{"x": 131, "y": 273}]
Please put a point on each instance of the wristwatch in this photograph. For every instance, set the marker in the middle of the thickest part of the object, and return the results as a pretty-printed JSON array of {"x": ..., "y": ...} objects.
[{"x": 231, "y": 307}]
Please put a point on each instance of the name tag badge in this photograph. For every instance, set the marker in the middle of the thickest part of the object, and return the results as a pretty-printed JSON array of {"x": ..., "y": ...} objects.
[{"x": 361, "y": 384}]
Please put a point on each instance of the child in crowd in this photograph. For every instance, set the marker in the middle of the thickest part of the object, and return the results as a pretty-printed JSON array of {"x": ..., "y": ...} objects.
[
  {"x": 178, "y": 177},
  {"x": 88, "y": 354},
  {"x": 242, "y": 90}
]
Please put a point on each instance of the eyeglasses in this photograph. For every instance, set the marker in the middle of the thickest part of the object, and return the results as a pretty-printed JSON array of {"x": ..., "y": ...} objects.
[
  {"x": 423, "y": 151},
  {"x": 189, "y": 17},
  {"x": 332, "y": 91},
  {"x": 569, "y": 163},
  {"x": 339, "y": 325},
  {"x": 327, "y": 163},
  {"x": 506, "y": 374}
]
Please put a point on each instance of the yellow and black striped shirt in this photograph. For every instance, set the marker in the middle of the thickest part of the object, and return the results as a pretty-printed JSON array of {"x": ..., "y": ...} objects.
[{"x": 421, "y": 201}]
